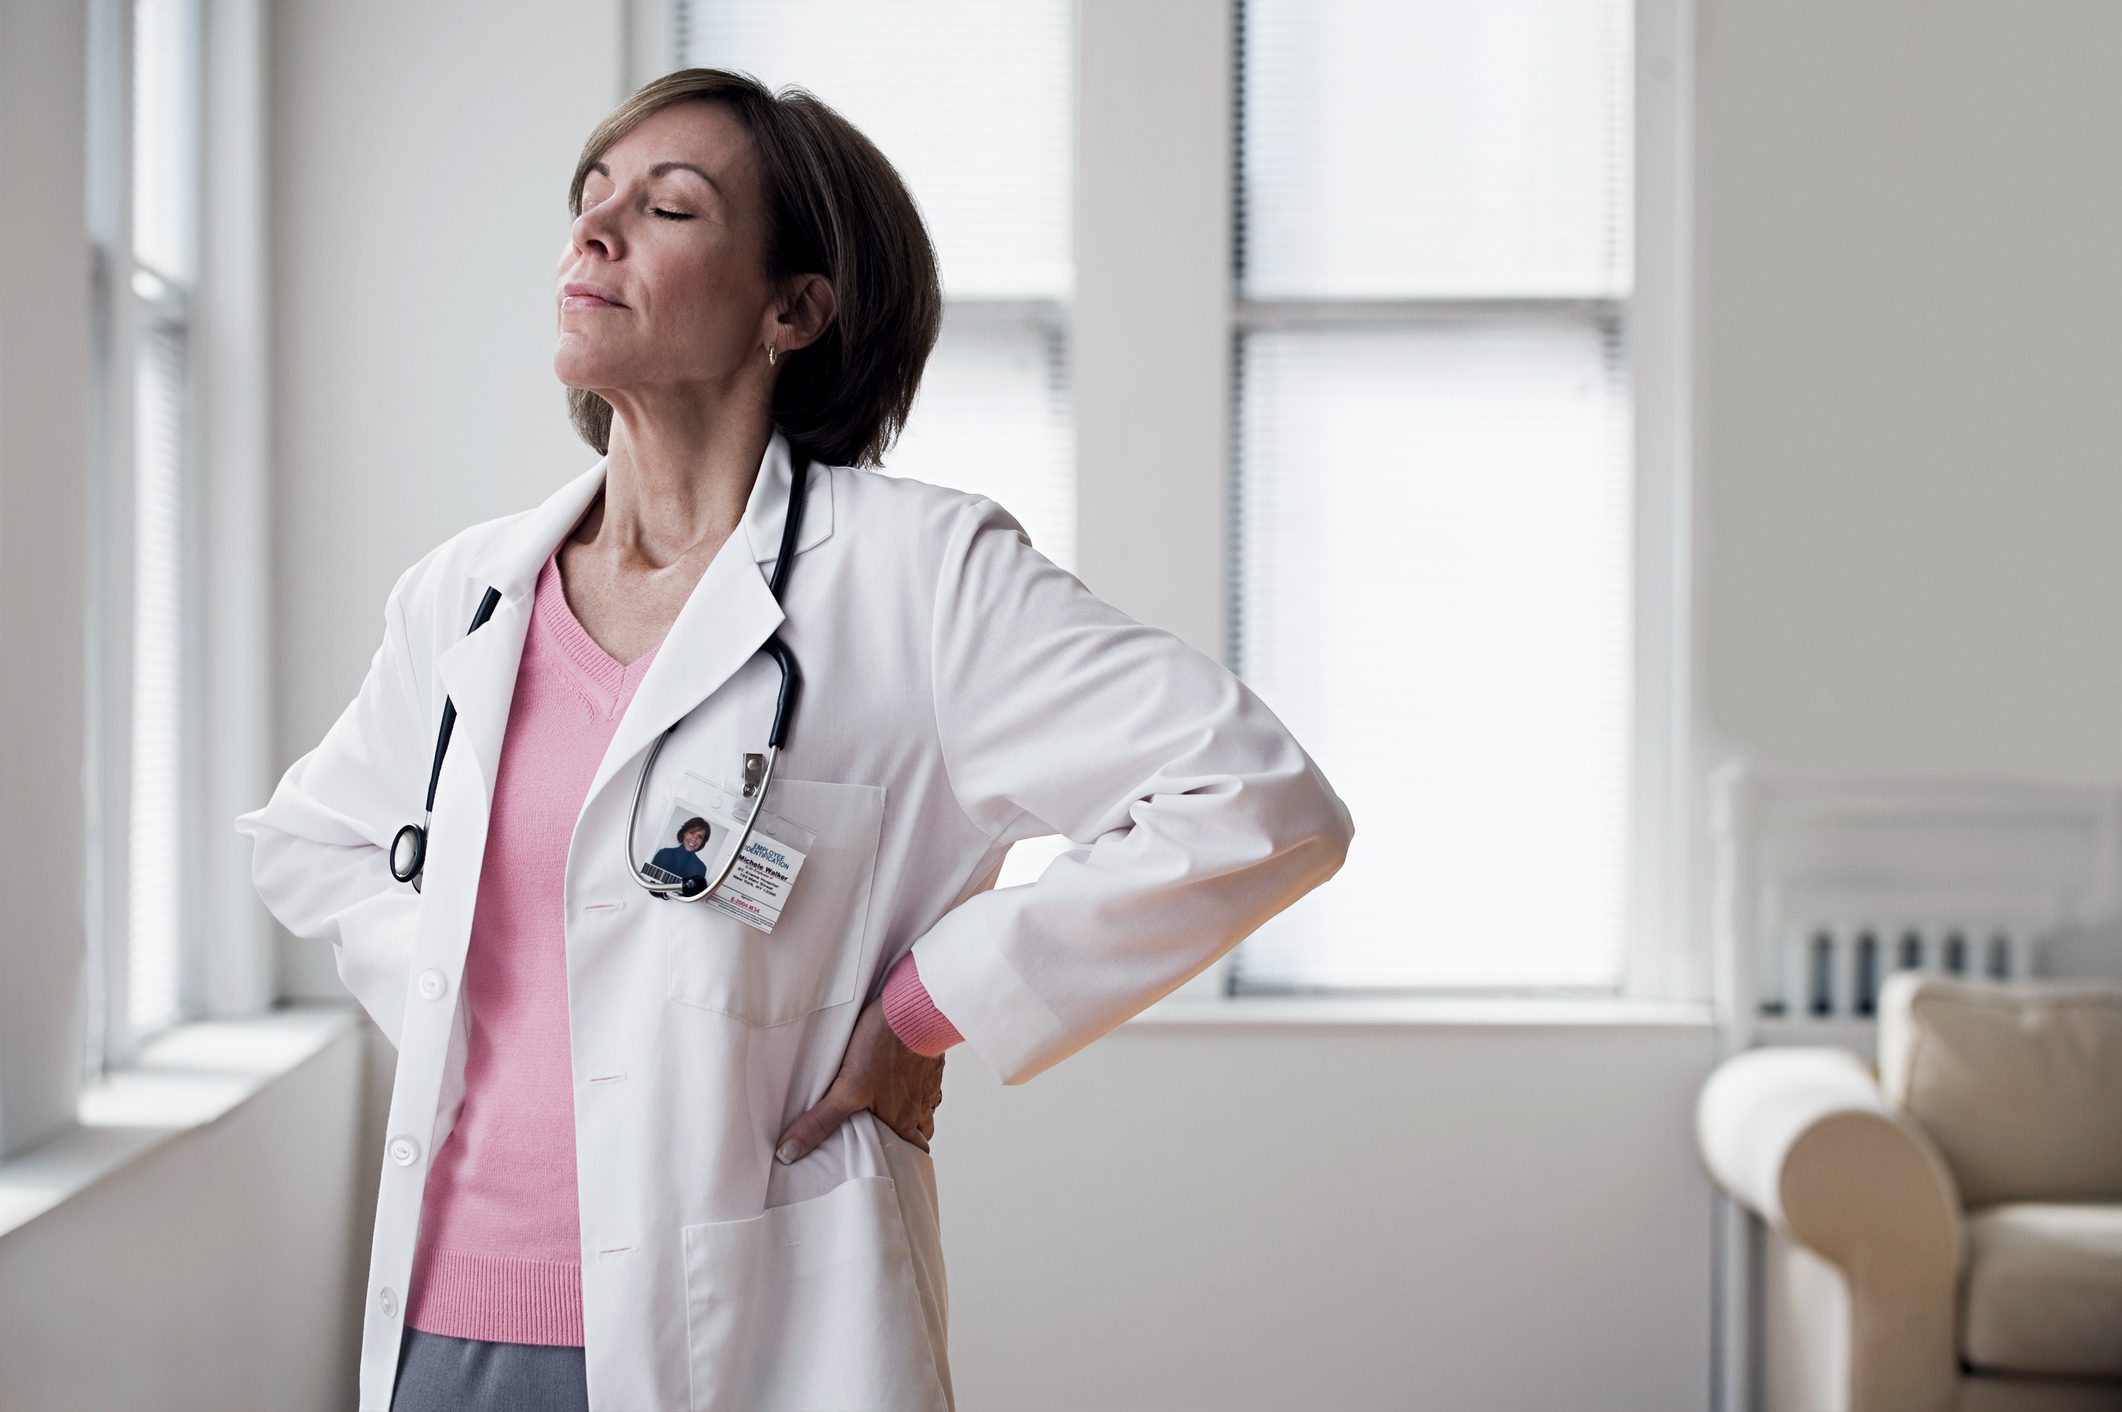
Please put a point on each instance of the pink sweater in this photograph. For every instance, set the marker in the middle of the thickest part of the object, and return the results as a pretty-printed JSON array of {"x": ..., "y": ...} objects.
[{"x": 499, "y": 1253}]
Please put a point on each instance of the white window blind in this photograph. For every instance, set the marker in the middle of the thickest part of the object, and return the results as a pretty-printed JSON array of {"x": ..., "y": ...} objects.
[
  {"x": 145, "y": 62},
  {"x": 973, "y": 103},
  {"x": 1433, "y": 557}
]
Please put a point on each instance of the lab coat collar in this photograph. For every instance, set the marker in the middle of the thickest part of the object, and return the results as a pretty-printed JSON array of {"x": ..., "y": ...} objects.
[{"x": 729, "y": 614}]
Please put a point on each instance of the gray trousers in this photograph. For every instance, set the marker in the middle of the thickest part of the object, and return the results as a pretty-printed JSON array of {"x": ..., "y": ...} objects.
[{"x": 442, "y": 1373}]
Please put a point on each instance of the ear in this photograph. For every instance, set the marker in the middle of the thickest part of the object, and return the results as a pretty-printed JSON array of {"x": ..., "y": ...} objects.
[{"x": 808, "y": 313}]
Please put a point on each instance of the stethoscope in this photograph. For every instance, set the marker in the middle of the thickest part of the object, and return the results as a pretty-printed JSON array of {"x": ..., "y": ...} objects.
[{"x": 408, "y": 856}]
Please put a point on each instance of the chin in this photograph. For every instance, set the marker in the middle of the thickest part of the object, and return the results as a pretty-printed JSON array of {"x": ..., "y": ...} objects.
[{"x": 577, "y": 366}]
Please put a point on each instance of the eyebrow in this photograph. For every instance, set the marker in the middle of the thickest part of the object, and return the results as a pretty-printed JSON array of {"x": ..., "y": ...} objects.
[{"x": 662, "y": 167}]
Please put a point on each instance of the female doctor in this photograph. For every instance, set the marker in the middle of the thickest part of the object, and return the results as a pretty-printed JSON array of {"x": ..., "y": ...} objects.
[{"x": 654, "y": 1146}]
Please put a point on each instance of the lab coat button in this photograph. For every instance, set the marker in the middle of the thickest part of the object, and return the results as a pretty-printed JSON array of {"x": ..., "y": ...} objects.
[
  {"x": 432, "y": 984},
  {"x": 388, "y": 1301},
  {"x": 404, "y": 1151}
]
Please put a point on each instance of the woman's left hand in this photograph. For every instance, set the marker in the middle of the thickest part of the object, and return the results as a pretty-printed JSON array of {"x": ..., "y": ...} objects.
[{"x": 880, "y": 1073}]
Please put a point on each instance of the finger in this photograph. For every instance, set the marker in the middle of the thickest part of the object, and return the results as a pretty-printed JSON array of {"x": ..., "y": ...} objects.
[
  {"x": 812, "y": 1126},
  {"x": 908, "y": 1126}
]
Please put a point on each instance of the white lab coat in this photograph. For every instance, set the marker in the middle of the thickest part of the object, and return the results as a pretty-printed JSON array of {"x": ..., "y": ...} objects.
[{"x": 960, "y": 692}]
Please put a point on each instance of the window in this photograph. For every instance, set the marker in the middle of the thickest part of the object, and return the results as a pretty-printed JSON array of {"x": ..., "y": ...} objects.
[
  {"x": 1434, "y": 509},
  {"x": 1449, "y": 541},
  {"x": 144, "y": 185},
  {"x": 974, "y": 103}
]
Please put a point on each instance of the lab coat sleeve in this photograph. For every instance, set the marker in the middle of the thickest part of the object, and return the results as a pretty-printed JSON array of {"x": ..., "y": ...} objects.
[
  {"x": 320, "y": 847},
  {"x": 1196, "y": 814}
]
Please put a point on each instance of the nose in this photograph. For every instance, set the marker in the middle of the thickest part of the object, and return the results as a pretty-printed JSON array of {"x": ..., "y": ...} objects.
[{"x": 594, "y": 230}]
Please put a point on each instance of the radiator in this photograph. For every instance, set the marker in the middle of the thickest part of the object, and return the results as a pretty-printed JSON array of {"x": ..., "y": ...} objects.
[
  {"x": 1826, "y": 885},
  {"x": 1834, "y": 970}
]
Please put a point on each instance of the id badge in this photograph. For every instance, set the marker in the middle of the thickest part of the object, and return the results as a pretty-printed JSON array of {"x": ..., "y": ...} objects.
[{"x": 706, "y": 819}]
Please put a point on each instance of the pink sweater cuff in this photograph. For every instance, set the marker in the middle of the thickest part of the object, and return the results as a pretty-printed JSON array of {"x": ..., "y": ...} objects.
[{"x": 912, "y": 1015}]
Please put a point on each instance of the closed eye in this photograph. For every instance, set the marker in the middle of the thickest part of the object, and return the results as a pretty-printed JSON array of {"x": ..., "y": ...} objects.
[{"x": 671, "y": 215}]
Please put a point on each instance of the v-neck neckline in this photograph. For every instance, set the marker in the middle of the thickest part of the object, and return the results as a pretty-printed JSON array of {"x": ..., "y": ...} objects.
[{"x": 611, "y": 680}]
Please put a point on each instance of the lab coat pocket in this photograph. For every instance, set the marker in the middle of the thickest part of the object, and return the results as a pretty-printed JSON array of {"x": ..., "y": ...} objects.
[
  {"x": 809, "y": 1305},
  {"x": 812, "y": 958},
  {"x": 374, "y": 952}
]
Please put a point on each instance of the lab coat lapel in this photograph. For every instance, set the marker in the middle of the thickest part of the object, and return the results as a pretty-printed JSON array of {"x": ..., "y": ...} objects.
[
  {"x": 478, "y": 670},
  {"x": 731, "y": 611},
  {"x": 729, "y": 614}
]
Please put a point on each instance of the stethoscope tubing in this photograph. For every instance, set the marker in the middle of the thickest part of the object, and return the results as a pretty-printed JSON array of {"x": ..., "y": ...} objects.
[{"x": 412, "y": 839}]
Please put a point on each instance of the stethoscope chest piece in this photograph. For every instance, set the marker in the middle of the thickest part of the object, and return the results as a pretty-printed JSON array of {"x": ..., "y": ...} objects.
[{"x": 409, "y": 855}]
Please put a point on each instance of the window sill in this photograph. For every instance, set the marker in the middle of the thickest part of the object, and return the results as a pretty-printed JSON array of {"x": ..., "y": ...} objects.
[
  {"x": 186, "y": 1079},
  {"x": 1274, "y": 1012},
  {"x": 197, "y": 1073}
]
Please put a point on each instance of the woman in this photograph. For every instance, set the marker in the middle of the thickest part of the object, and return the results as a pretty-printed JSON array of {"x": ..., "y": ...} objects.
[
  {"x": 656, "y": 1156},
  {"x": 682, "y": 859}
]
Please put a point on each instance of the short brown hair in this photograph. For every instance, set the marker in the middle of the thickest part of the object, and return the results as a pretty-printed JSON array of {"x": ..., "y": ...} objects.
[{"x": 834, "y": 206}]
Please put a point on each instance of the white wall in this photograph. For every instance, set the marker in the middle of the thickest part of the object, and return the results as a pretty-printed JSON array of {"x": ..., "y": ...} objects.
[
  {"x": 1478, "y": 1216},
  {"x": 1904, "y": 541},
  {"x": 220, "y": 1270},
  {"x": 45, "y": 695},
  {"x": 1907, "y": 371}
]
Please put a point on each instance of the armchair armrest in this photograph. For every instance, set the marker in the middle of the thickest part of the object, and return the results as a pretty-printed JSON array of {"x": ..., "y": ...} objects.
[{"x": 1805, "y": 1139}]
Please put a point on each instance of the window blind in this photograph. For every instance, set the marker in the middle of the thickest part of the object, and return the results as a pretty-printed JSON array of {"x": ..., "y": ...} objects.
[
  {"x": 165, "y": 178},
  {"x": 973, "y": 102},
  {"x": 1433, "y": 552}
]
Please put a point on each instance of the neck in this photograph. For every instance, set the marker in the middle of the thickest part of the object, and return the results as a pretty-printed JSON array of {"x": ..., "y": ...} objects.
[{"x": 675, "y": 486}]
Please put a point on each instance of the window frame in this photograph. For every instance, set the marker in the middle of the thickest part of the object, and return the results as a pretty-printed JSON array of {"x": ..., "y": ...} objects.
[{"x": 225, "y": 964}]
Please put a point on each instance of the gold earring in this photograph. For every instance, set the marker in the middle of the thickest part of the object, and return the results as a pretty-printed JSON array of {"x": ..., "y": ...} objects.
[{"x": 769, "y": 355}]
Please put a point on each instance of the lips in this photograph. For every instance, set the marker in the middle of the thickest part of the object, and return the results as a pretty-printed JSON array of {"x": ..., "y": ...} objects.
[{"x": 589, "y": 296}]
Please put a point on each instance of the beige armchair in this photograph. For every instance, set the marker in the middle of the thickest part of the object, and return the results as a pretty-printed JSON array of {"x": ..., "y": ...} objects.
[{"x": 1940, "y": 1231}]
